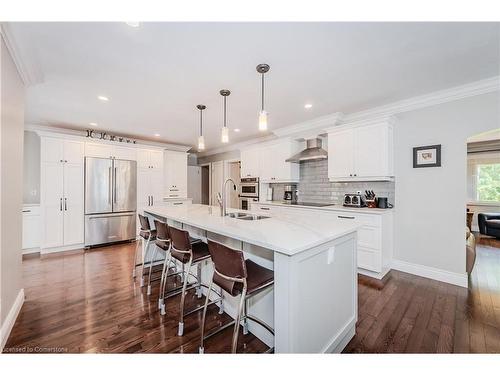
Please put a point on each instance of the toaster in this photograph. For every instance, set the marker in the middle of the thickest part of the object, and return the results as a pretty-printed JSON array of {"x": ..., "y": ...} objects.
[{"x": 354, "y": 200}]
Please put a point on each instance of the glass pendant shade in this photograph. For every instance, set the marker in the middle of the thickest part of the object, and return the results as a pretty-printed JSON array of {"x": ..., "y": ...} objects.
[
  {"x": 201, "y": 143},
  {"x": 225, "y": 135},
  {"x": 262, "y": 120}
]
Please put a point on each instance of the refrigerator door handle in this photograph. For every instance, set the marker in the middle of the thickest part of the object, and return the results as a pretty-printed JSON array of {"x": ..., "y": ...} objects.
[
  {"x": 114, "y": 186},
  {"x": 110, "y": 185}
]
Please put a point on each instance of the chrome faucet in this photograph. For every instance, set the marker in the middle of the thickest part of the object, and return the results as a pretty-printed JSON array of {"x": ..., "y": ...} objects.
[{"x": 222, "y": 199}]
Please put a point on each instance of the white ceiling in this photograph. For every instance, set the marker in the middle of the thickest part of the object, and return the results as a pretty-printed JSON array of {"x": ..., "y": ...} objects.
[{"x": 155, "y": 74}]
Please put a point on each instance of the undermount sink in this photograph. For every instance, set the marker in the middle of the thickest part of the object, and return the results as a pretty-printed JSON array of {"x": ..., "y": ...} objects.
[
  {"x": 236, "y": 215},
  {"x": 245, "y": 216}
]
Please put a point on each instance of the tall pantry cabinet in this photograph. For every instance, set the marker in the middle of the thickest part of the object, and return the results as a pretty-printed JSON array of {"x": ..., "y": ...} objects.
[{"x": 61, "y": 192}]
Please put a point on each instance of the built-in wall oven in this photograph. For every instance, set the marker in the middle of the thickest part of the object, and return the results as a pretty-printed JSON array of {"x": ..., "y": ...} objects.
[{"x": 249, "y": 192}]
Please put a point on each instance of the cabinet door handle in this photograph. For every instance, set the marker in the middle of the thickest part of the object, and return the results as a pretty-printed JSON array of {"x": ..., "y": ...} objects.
[
  {"x": 152, "y": 201},
  {"x": 149, "y": 200},
  {"x": 265, "y": 208},
  {"x": 60, "y": 204},
  {"x": 65, "y": 204},
  {"x": 346, "y": 217}
]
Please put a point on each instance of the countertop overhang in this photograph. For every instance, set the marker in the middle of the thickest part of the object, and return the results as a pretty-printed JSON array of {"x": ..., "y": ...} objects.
[{"x": 281, "y": 234}]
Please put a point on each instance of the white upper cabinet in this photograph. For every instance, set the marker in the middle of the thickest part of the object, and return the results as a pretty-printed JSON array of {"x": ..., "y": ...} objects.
[
  {"x": 150, "y": 176},
  {"x": 175, "y": 174},
  {"x": 62, "y": 195},
  {"x": 250, "y": 165},
  {"x": 273, "y": 167},
  {"x": 267, "y": 161},
  {"x": 361, "y": 153},
  {"x": 124, "y": 153},
  {"x": 103, "y": 150}
]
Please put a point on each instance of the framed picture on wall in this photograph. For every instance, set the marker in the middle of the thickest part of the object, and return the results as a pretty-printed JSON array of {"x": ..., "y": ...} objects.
[{"x": 427, "y": 156}]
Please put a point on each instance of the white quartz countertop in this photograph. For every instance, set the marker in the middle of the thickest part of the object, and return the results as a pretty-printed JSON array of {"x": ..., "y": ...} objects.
[
  {"x": 335, "y": 207},
  {"x": 284, "y": 235}
]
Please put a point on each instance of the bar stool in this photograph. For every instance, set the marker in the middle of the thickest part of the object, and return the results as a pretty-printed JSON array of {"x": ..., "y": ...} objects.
[
  {"x": 164, "y": 244},
  {"x": 236, "y": 276},
  {"x": 189, "y": 254},
  {"x": 145, "y": 234}
]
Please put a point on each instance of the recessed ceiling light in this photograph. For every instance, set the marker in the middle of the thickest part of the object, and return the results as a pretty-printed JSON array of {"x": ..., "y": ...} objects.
[
  {"x": 103, "y": 98},
  {"x": 237, "y": 130},
  {"x": 133, "y": 24},
  {"x": 308, "y": 106},
  {"x": 157, "y": 135},
  {"x": 93, "y": 123}
]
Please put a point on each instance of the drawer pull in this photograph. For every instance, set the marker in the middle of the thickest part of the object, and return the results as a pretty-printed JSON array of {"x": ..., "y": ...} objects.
[
  {"x": 265, "y": 208},
  {"x": 345, "y": 217},
  {"x": 26, "y": 210},
  {"x": 173, "y": 195},
  {"x": 177, "y": 203}
]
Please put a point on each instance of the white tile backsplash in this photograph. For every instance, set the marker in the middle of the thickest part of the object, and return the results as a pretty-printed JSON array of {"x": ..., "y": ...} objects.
[{"x": 315, "y": 187}]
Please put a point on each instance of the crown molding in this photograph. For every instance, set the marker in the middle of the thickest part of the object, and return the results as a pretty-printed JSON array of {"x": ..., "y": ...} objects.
[
  {"x": 438, "y": 97},
  {"x": 309, "y": 129},
  {"x": 62, "y": 132},
  {"x": 29, "y": 72}
]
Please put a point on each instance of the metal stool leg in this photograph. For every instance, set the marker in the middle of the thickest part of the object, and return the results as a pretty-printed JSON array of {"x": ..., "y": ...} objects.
[
  {"x": 199, "y": 291},
  {"x": 163, "y": 280},
  {"x": 137, "y": 240},
  {"x": 245, "y": 320},
  {"x": 145, "y": 247},
  {"x": 155, "y": 252},
  {"x": 202, "y": 348},
  {"x": 164, "y": 287},
  {"x": 180, "y": 331},
  {"x": 237, "y": 322}
]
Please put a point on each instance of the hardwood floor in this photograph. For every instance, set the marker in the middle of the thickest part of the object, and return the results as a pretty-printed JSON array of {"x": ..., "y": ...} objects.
[
  {"x": 87, "y": 302},
  {"x": 410, "y": 314}
]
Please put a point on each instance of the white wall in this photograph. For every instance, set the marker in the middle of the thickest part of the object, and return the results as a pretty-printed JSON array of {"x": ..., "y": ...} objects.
[
  {"x": 11, "y": 190},
  {"x": 31, "y": 184},
  {"x": 431, "y": 202}
]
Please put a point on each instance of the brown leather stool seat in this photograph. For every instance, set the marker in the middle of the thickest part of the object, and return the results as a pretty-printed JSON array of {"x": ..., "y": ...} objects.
[
  {"x": 145, "y": 234},
  {"x": 200, "y": 252},
  {"x": 258, "y": 277},
  {"x": 494, "y": 223}
]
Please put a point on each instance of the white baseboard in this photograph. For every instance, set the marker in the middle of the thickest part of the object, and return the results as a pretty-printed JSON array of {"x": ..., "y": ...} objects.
[
  {"x": 459, "y": 279},
  {"x": 50, "y": 250},
  {"x": 32, "y": 250},
  {"x": 11, "y": 319}
]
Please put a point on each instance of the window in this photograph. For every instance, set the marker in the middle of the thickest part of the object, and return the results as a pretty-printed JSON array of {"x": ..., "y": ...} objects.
[{"x": 488, "y": 182}]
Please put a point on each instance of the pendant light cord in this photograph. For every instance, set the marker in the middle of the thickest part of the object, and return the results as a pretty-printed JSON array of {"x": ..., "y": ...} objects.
[
  {"x": 262, "y": 91},
  {"x": 224, "y": 111}
]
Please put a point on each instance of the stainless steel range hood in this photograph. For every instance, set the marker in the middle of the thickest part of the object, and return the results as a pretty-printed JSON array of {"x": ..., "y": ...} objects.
[{"x": 313, "y": 151}]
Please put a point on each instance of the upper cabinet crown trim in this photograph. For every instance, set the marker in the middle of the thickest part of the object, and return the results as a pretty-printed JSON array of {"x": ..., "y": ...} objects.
[{"x": 49, "y": 131}]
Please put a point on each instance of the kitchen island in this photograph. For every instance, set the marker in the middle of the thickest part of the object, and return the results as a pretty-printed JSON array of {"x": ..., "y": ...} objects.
[{"x": 313, "y": 307}]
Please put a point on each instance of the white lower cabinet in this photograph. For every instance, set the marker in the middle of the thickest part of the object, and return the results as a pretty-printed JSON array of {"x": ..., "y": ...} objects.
[
  {"x": 31, "y": 228},
  {"x": 375, "y": 236}
]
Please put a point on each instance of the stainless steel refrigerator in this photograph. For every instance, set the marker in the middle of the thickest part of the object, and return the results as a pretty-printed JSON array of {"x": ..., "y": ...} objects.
[{"x": 110, "y": 200}]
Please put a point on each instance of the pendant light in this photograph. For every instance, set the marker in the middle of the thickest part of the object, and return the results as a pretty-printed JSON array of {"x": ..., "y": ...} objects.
[
  {"x": 262, "y": 69},
  {"x": 201, "y": 139},
  {"x": 225, "y": 132}
]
